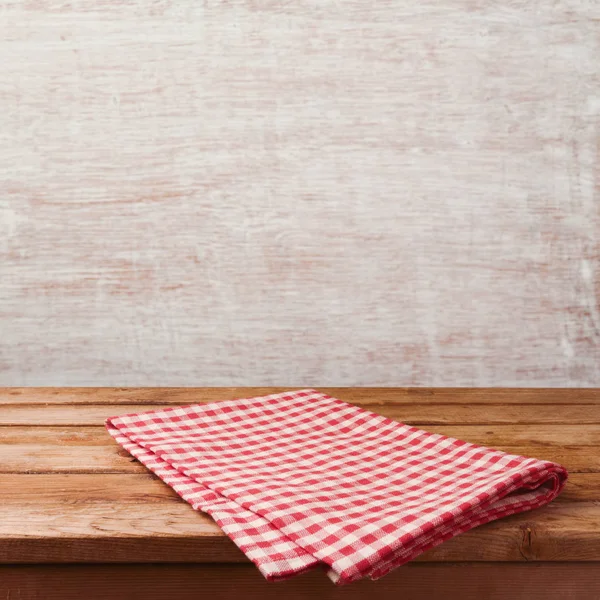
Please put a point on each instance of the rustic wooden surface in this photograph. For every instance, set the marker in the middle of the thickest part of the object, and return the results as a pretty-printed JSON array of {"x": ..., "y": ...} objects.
[
  {"x": 352, "y": 193},
  {"x": 70, "y": 494},
  {"x": 72, "y": 498}
]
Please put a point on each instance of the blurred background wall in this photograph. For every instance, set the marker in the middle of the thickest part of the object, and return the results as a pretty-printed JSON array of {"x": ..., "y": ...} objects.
[{"x": 316, "y": 192}]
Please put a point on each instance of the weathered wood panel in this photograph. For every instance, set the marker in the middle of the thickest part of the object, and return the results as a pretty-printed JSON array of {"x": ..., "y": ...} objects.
[{"x": 305, "y": 193}]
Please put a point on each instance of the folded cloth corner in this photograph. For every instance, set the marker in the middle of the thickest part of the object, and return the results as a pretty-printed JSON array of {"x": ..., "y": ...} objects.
[{"x": 301, "y": 479}]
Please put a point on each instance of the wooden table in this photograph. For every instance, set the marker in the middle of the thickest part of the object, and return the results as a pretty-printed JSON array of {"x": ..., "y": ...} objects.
[{"x": 81, "y": 519}]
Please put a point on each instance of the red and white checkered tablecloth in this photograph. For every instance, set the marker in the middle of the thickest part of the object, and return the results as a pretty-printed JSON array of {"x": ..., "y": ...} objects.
[{"x": 300, "y": 479}]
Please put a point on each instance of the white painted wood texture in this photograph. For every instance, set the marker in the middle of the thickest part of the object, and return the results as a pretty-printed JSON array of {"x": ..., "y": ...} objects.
[{"x": 313, "y": 192}]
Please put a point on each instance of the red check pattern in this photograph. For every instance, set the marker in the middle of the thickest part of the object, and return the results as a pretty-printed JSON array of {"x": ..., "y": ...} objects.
[{"x": 300, "y": 479}]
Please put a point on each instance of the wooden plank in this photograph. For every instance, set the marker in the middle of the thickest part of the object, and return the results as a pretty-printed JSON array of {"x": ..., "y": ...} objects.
[
  {"x": 174, "y": 532},
  {"x": 46, "y": 458},
  {"x": 74, "y": 416},
  {"x": 86, "y": 488},
  {"x": 424, "y": 415},
  {"x": 366, "y": 396},
  {"x": 92, "y": 450},
  {"x": 416, "y": 581},
  {"x": 51, "y": 519},
  {"x": 80, "y": 488},
  {"x": 517, "y": 435},
  {"x": 24, "y": 488},
  {"x": 580, "y": 487},
  {"x": 507, "y": 435},
  {"x": 412, "y": 414},
  {"x": 63, "y": 436}
]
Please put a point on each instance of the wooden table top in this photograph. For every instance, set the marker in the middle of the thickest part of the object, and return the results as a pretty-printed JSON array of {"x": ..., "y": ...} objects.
[{"x": 70, "y": 494}]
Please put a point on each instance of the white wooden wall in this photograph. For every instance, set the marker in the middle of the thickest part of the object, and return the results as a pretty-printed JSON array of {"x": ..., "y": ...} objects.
[{"x": 340, "y": 192}]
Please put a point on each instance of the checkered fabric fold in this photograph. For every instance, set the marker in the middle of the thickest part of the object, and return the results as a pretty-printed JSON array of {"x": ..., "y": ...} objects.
[{"x": 300, "y": 479}]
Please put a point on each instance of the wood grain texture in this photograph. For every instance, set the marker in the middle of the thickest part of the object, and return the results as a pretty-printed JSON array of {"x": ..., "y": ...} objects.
[
  {"x": 120, "y": 531},
  {"x": 458, "y": 581},
  {"x": 71, "y": 494},
  {"x": 565, "y": 436},
  {"x": 275, "y": 193},
  {"x": 146, "y": 488},
  {"x": 80, "y": 456},
  {"x": 413, "y": 414},
  {"x": 373, "y": 397}
]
